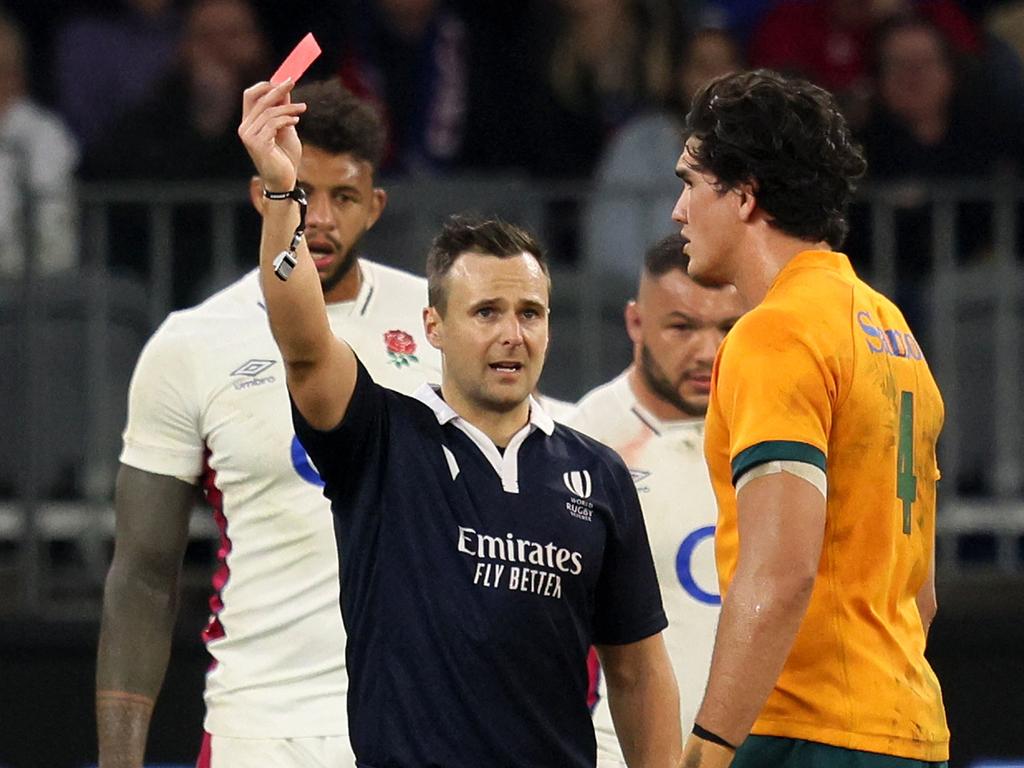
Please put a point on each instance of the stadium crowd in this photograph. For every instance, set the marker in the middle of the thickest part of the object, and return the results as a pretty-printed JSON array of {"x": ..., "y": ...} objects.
[{"x": 554, "y": 89}]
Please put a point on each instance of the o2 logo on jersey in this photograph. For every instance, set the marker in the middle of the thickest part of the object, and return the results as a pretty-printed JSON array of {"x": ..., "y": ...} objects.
[
  {"x": 684, "y": 566},
  {"x": 302, "y": 464}
]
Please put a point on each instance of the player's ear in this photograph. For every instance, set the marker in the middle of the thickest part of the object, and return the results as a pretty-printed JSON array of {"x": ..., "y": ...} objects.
[
  {"x": 634, "y": 322},
  {"x": 747, "y": 193},
  {"x": 256, "y": 194},
  {"x": 378, "y": 202},
  {"x": 432, "y": 322}
]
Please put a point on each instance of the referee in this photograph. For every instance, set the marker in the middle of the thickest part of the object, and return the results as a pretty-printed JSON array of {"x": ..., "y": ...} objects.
[{"x": 483, "y": 548}]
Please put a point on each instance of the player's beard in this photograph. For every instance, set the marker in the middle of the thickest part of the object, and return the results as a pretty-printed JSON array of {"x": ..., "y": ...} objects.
[
  {"x": 344, "y": 267},
  {"x": 658, "y": 382}
]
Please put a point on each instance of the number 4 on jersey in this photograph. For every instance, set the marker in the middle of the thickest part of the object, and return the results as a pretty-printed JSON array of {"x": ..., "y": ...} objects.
[{"x": 906, "y": 480}]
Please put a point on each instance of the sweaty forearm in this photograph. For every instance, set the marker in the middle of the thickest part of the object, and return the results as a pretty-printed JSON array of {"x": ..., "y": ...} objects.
[
  {"x": 134, "y": 648},
  {"x": 760, "y": 618}
]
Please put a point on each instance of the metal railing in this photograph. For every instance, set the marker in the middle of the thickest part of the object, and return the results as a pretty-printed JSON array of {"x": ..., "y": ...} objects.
[{"x": 127, "y": 283}]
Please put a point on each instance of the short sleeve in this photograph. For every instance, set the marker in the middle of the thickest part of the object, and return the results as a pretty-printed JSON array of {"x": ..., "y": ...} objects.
[
  {"x": 351, "y": 454},
  {"x": 775, "y": 388},
  {"x": 162, "y": 434},
  {"x": 628, "y": 604}
]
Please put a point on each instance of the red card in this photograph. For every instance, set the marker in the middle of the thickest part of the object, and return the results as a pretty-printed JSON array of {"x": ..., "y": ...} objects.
[{"x": 298, "y": 60}]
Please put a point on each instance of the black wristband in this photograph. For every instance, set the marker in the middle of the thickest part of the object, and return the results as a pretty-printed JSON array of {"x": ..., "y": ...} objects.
[
  {"x": 293, "y": 194},
  {"x": 714, "y": 738},
  {"x": 286, "y": 261}
]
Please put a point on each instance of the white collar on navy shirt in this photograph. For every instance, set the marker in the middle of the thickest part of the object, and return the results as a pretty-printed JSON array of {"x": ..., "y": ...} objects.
[{"x": 505, "y": 464}]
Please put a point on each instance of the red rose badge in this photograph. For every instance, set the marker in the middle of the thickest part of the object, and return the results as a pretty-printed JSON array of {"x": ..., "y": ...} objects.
[{"x": 400, "y": 346}]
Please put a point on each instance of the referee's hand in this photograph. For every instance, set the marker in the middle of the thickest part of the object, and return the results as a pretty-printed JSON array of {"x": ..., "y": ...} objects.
[{"x": 268, "y": 132}]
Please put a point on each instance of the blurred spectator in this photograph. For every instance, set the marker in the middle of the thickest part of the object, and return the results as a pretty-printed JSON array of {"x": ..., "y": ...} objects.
[
  {"x": 1007, "y": 21},
  {"x": 931, "y": 118},
  {"x": 187, "y": 131},
  {"x": 37, "y": 161},
  {"x": 112, "y": 60},
  {"x": 930, "y": 122},
  {"x": 411, "y": 58},
  {"x": 635, "y": 188},
  {"x": 826, "y": 40},
  {"x": 607, "y": 60},
  {"x": 1005, "y": 57},
  {"x": 37, "y": 21},
  {"x": 447, "y": 78},
  {"x": 739, "y": 17},
  {"x": 187, "y": 128}
]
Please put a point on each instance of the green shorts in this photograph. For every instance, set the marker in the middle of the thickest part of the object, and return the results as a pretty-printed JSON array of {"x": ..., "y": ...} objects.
[{"x": 778, "y": 752}]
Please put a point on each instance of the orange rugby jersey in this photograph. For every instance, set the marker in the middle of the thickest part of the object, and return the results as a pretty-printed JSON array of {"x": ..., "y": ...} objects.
[{"x": 826, "y": 371}]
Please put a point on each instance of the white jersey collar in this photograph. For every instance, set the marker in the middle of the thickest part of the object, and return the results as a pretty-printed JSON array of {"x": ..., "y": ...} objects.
[
  {"x": 659, "y": 426},
  {"x": 367, "y": 287},
  {"x": 360, "y": 305}
]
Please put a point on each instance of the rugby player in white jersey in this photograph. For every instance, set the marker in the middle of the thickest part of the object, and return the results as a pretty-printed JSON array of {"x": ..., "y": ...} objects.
[
  {"x": 208, "y": 407},
  {"x": 652, "y": 414}
]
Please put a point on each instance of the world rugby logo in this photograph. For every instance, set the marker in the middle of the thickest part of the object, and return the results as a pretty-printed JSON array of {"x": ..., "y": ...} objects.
[{"x": 578, "y": 483}]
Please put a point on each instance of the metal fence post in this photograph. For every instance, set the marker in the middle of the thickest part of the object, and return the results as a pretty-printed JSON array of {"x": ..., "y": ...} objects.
[
  {"x": 944, "y": 307},
  {"x": 1009, "y": 378},
  {"x": 28, "y": 321}
]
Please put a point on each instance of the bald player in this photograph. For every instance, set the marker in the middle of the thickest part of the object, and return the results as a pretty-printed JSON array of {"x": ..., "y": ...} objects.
[{"x": 652, "y": 414}]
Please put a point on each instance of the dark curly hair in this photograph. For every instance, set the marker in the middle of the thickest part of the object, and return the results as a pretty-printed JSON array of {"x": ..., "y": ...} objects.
[
  {"x": 338, "y": 122},
  {"x": 789, "y": 140},
  {"x": 471, "y": 234}
]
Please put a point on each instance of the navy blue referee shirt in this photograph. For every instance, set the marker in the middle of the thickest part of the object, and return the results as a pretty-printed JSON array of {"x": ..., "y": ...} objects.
[{"x": 473, "y": 581}]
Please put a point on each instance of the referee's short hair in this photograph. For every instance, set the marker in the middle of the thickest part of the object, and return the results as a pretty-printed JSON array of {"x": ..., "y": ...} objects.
[{"x": 470, "y": 234}]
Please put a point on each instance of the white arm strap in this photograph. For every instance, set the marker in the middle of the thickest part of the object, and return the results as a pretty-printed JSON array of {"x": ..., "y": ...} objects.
[{"x": 809, "y": 472}]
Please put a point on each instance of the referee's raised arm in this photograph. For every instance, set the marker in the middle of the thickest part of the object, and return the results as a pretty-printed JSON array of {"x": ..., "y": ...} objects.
[{"x": 321, "y": 369}]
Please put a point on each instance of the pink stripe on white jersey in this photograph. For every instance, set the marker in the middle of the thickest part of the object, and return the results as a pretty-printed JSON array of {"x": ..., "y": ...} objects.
[
  {"x": 594, "y": 678},
  {"x": 205, "y": 759},
  {"x": 214, "y": 629}
]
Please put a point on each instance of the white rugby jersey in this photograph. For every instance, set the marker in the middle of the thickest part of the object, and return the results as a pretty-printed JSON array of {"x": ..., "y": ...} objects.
[
  {"x": 666, "y": 459},
  {"x": 208, "y": 402},
  {"x": 557, "y": 409}
]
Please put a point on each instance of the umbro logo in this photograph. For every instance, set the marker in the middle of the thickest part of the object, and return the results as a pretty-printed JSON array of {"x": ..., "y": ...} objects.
[
  {"x": 580, "y": 487},
  {"x": 638, "y": 474},
  {"x": 252, "y": 369},
  {"x": 578, "y": 483}
]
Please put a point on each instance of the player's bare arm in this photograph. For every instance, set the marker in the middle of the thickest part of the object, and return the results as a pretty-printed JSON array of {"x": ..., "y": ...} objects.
[
  {"x": 781, "y": 521},
  {"x": 140, "y": 604},
  {"x": 644, "y": 701},
  {"x": 321, "y": 370}
]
